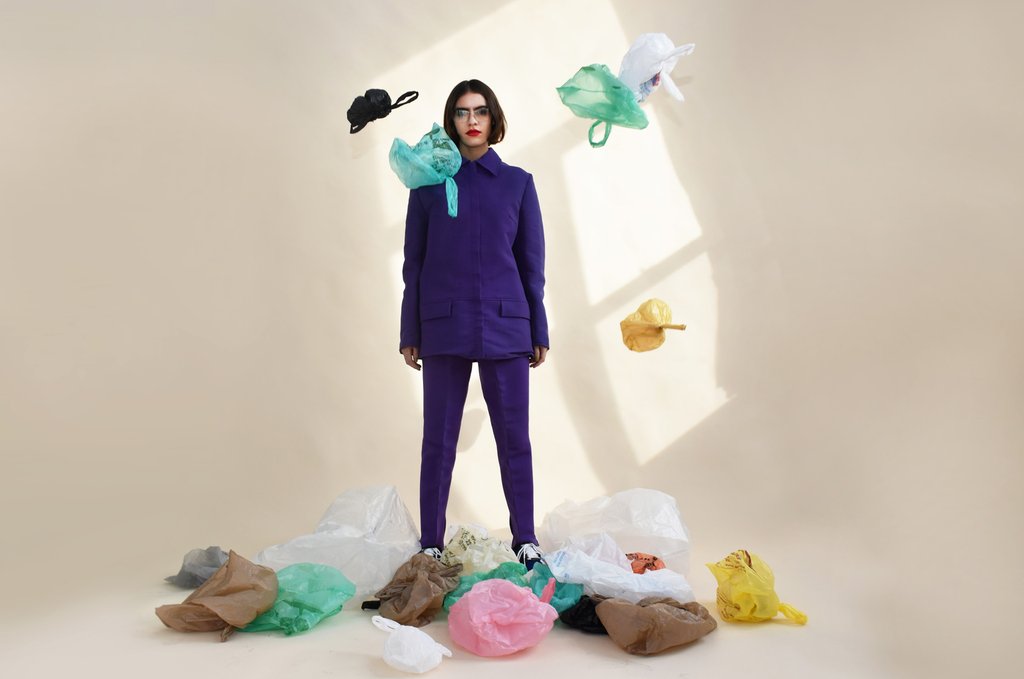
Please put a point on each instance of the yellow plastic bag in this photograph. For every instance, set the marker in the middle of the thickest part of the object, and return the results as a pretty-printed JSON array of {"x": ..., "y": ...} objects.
[
  {"x": 746, "y": 590},
  {"x": 644, "y": 329}
]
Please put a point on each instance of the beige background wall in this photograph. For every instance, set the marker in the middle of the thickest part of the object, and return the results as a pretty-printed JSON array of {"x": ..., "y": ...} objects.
[{"x": 199, "y": 289}]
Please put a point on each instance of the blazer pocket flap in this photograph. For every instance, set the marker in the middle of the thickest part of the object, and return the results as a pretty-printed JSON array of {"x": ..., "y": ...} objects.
[
  {"x": 435, "y": 310},
  {"x": 513, "y": 309}
]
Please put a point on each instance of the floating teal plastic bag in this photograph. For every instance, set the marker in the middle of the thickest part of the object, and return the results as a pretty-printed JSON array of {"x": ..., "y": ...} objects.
[
  {"x": 595, "y": 93},
  {"x": 513, "y": 571},
  {"x": 567, "y": 594},
  {"x": 307, "y": 593},
  {"x": 433, "y": 160}
]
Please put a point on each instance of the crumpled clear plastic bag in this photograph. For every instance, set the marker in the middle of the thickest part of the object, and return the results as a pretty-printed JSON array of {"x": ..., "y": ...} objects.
[
  {"x": 497, "y": 617},
  {"x": 513, "y": 571},
  {"x": 639, "y": 519},
  {"x": 233, "y": 596},
  {"x": 648, "y": 63},
  {"x": 746, "y": 590},
  {"x": 434, "y": 159},
  {"x": 307, "y": 594},
  {"x": 366, "y": 533},
  {"x": 654, "y": 625},
  {"x": 410, "y": 649},
  {"x": 417, "y": 590},
  {"x": 595, "y": 93},
  {"x": 197, "y": 567},
  {"x": 477, "y": 553},
  {"x": 644, "y": 329},
  {"x": 578, "y": 563}
]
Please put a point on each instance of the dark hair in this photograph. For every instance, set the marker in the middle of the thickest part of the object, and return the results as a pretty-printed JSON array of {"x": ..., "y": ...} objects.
[{"x": 497, "y": 115}]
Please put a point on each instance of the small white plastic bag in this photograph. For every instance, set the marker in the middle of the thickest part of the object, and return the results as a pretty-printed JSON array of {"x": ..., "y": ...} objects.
[
  {"x": 649, "y": 62},
  {"x": 639, "y": 520},
  {"x": 410, "y": 649}
]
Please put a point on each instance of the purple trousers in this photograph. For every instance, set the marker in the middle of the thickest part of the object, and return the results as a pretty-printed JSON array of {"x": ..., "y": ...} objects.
[{"x": 505, "y": 384}]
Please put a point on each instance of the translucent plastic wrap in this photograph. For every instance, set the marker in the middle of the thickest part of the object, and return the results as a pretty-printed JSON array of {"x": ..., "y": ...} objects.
[
  {"x": 409, "y": 649},
  {"x": 639, "y": 519},
  {"x": 366, "y": 533}
]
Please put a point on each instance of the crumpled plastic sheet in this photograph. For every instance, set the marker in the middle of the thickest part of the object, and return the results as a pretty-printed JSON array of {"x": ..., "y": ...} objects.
[
  {"x": 640, "y": 520},
  {"x": 566, "y": 593},
  {"x": 654, "y": 625},
  {"x": 478, "y": 553},
  {"x": 497, "y": 617},
  {"x": 366, "y": 533},
  {"x": 233, "y": 596},
  {"x": 416, "y": 593},
  {"x": 583, "y": 616},
  {"x": 197, "y": 567},
  {"x": 577, "y": 563},
  {"x": 307, "y": 594},
  {"x": 513, "y": 571}
]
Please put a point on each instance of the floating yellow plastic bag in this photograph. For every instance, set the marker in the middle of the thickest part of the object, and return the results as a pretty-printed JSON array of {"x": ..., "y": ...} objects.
[
  {"x": 644, "y": 329},
  {"x": 746, "y": 590}
]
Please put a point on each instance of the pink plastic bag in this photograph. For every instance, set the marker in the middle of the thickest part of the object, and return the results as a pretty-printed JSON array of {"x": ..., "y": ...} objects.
[{"x": 497, "y": 617}]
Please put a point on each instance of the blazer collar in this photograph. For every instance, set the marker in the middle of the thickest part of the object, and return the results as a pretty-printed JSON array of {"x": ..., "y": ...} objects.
[{"x": 489, "y": 161}]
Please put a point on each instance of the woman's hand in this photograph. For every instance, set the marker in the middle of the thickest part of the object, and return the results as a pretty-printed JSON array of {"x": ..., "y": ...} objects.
[
  {"x": 539, "y": 353},
  {"x": 412, "y": 357}
]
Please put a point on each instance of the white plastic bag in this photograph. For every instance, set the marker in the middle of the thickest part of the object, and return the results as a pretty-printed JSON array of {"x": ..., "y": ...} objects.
[
  {"x": 410, "y": 649},
  {"x": 639, "y": 520},
  {"x": 366, "y": 533},
  {"x": 586, "y": 562},
  {"x": 649, "y": 62},
  {"x": 477, "y": 553}
]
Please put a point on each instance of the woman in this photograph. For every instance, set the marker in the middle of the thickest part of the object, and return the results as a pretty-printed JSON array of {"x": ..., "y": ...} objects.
[{"x": 474, "y": 291}]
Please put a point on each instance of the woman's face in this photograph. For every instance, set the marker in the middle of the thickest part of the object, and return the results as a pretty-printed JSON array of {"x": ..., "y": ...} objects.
[{"x": 472, "y": 120}]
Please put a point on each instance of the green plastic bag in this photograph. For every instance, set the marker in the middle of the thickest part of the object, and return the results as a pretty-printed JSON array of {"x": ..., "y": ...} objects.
[
  {"x": 433, "y": 160},
  {"x": 567, "y": 594},
  {"x": 306, "y": 594},
  {"x": 513, "y": 571},
  {"x": 594, "y": 92}
]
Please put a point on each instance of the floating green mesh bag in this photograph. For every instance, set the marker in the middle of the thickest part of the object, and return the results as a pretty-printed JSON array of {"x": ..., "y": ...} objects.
[
  {"x": 567, "y": 594},
  {"x": 306, "y": 594},
  {"x": 433, "y": 160},
  {"x": 595, "y": 93},
  {"x": 513, "y": 571}
]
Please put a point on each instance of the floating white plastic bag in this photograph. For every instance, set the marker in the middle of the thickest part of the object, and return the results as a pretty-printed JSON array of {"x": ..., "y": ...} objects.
[
  {"x": 366, "y": 533},
  {"x": 617, "y": 580},
  {"x": 477, "y": 553},
  {"x": 410, "y": 649},
  {"x": 649, "y": 62},
  {"x": 639, "y": 520}
]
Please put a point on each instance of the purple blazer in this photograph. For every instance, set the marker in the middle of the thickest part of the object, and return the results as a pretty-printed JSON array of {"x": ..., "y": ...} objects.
[{"x": 474, "y": 284}]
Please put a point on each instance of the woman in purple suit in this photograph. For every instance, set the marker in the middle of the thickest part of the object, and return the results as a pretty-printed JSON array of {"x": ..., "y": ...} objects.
[{"x": 474, "y": 293}]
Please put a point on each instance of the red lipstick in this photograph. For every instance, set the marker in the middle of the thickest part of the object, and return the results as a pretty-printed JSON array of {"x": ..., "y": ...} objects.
[{"x": 473, "y": 133}]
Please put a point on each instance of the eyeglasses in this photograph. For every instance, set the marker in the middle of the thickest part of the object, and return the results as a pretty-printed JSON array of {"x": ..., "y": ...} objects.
[{"x": 480, "y": 113}]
